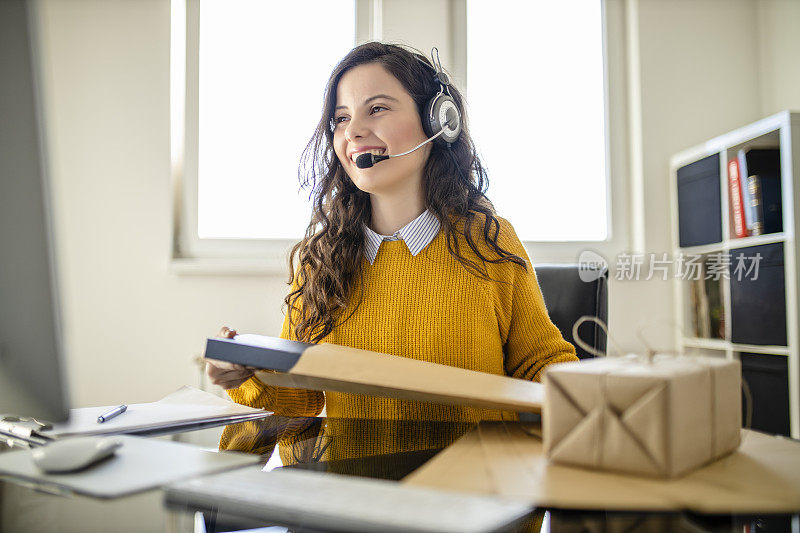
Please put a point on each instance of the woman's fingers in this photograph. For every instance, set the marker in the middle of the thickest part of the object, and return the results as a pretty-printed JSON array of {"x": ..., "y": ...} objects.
[
  {"x": 223, "y": 365},
  {"x": 230, "y": 380},
  {"x": 215, "y": 372},
  {"x": 226, "y": 333},
  {"x": 233, "y": 384},
  {"x": 227, "y": 375}
]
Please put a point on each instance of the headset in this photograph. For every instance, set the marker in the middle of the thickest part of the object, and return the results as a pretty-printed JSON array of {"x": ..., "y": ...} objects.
[
  {"x": 441, "y": 111},
  {"x": 441, "y": 119}
]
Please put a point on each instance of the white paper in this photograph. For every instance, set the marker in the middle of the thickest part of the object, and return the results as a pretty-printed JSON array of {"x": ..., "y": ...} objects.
[
  {"x": 252, "y": 339},
  {"x": 139, "y": 464},
  {"x": 184, "y": 406}
]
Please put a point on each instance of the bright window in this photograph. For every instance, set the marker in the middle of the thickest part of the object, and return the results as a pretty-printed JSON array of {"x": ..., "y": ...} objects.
[
  {"x": 535, "y": 87},
  {"x": 263, "y": 66}
]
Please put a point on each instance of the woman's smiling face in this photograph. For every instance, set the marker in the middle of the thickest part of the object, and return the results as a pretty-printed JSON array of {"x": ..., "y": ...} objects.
[{"x": 374, "y": 113}]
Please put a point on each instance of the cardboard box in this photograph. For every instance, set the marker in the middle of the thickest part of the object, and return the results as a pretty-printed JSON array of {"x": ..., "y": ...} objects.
[
  {"x": 343, "y": 369},
  {"x": 659, "y": 418}
]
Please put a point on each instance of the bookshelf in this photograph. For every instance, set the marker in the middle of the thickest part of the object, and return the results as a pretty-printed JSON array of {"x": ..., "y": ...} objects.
[{"x": 752, "y": 317}]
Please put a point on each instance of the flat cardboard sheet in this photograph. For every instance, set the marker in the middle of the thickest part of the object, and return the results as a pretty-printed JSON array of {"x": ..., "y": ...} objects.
[
  {"x": 762, "y": 476},
  {"x": 343, "y": 369}
]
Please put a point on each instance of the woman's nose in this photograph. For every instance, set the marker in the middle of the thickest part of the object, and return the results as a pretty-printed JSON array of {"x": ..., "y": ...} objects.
[{"x": 356, "y": 128}]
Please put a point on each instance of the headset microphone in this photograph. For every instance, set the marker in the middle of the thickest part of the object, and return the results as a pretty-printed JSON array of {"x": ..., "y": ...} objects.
[{"x": 367, "y": 160}]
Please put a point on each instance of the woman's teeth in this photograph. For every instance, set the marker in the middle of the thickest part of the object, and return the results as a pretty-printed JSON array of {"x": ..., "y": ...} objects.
[{"x": 377, "y": 151}]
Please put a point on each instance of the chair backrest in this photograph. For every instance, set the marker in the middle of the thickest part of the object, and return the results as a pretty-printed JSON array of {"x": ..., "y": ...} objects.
[{"x": 568, "y": 298}]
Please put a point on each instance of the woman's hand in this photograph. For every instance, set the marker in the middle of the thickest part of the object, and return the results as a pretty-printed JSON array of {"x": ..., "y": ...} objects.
[{"x": 227, "y": 375}]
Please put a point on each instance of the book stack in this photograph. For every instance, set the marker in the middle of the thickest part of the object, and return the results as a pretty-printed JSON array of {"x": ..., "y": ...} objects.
[
  {"x": 708, "y": 313},
  {"x": 754, "y": 186}
]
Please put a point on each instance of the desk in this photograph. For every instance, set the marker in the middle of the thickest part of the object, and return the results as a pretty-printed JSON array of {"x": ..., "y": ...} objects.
[{"x": 381, "y": 449}]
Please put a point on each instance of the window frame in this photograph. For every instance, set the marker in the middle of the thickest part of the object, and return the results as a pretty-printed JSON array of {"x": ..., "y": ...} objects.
[
  {"x": 192, "y": 255},
  {"x": 615, "y": 81}
]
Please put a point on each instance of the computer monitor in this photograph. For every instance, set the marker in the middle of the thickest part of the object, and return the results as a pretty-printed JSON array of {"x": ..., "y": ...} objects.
[{"x": 31, "y": 347}]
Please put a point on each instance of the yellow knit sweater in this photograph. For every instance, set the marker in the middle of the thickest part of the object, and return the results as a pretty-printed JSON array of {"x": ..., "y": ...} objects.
[{"x": 431, "y": 308}]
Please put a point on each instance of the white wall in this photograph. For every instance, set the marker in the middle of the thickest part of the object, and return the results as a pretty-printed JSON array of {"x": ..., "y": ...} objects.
[
  {"x": 132, "y": 328},
  {"x": 779, "y": 44},
  {"x": 700, "y": 69},
  {"x": 692, "y": 69},
  {"x": 696, "y": 69}
]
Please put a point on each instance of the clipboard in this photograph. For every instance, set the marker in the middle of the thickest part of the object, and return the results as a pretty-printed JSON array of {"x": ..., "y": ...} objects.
[{"x": 187, "y": 408}]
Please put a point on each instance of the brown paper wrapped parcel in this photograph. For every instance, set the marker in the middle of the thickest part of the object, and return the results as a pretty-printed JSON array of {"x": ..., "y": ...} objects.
[{"x": 659, "y": 417}]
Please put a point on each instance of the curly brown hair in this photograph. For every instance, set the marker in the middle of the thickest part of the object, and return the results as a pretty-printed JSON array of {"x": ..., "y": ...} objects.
[{"x": 331, "y": 254}]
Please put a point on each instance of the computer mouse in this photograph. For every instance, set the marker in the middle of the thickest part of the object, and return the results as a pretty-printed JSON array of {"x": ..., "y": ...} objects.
[{"x": 74, "y": 453}]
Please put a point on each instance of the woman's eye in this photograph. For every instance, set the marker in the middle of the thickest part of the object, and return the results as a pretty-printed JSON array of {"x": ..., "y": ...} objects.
[{"x": 338, "y": 120}]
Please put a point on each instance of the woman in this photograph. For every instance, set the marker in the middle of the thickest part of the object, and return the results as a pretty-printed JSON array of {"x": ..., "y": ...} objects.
[{"x": 406, "y": 257}]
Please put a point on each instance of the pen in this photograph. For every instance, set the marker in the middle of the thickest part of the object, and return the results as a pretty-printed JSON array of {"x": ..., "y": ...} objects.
[{"x": 112, "y": 413}]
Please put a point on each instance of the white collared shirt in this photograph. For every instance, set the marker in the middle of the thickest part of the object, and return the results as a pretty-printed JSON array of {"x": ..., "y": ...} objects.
[{"x": 417, "y": 234}]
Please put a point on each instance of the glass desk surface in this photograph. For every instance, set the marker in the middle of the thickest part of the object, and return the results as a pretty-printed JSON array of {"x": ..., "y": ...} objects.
[{"x": 370, "y": 448}]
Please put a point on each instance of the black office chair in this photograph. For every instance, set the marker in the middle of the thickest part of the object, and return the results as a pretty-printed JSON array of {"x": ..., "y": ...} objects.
[{"x": 568, "y": 298}]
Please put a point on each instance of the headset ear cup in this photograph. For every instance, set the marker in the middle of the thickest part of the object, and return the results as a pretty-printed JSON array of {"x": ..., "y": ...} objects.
[
  {"x": 430, "y": 125},
  {"x": 454, "y": 130},
  {"x": 437, "y": 111}
]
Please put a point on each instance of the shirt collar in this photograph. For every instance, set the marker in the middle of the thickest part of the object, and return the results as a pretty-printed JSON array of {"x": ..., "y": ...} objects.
[{"x": 417, "y": 234}]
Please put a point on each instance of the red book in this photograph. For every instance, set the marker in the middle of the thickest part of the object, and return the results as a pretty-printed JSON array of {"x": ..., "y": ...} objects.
[{"x": 737, "y": 201}]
